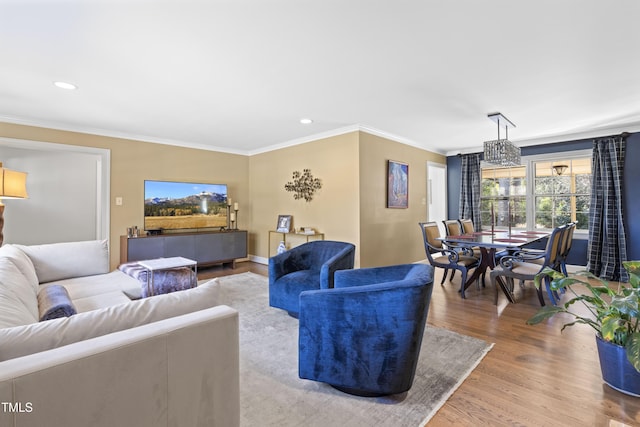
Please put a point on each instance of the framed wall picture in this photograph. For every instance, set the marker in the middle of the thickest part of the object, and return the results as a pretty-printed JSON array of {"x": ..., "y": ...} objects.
[
  {"x": 284, "y": 224},
  {"x": 397, "y": 184}
]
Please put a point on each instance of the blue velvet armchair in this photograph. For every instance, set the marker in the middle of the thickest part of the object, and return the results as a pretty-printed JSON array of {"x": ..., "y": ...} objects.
[
  {"x": 363, "y": 337},
  {"x": 305, "y": 267}
]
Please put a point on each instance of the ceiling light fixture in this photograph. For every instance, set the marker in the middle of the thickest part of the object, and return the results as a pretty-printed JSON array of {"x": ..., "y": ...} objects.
[
  {"x": 306, "y": 121},
  {"x": 501, "y": 151},
  {"x": 65, "y": 85}
]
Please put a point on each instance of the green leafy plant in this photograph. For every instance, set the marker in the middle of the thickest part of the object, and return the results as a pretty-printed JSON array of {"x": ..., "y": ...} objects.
[{"x": 614, "y": 310}]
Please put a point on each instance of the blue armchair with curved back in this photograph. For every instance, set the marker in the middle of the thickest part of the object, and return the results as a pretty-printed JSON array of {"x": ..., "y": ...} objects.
[
  {"x": 363, "y": 336},
  {"x": 305, "y": 267}
]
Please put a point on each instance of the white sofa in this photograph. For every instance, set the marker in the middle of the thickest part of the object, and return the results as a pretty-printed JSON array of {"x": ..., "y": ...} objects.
[{"x": 167, "y": 360}]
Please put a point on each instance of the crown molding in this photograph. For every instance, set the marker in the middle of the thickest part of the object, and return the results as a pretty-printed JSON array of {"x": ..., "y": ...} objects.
[
  {"x": 118, "y": 135},
  {"x": 154, "y": 140},
  {"x": 342, "y": 131},
  {"x": 303, "y": 140},
  {"x": 396, "y": 138}
]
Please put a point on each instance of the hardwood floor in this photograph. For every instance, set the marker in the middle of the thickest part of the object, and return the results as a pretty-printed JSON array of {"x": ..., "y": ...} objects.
[{"x": 533, "y": 376}]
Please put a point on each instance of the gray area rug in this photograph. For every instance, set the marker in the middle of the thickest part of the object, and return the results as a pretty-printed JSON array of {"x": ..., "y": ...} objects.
[{"x": 271, "y": 394}]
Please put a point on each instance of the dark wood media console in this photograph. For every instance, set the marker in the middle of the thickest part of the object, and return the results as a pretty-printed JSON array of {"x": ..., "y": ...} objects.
[{"x": 207, "y": 248}]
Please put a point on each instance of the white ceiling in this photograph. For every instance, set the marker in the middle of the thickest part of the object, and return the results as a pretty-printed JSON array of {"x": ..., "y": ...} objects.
[{"x": 237, "y": 75}]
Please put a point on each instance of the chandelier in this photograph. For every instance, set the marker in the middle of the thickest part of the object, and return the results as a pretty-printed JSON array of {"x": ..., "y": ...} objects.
[{"x": 501, "y": 151}]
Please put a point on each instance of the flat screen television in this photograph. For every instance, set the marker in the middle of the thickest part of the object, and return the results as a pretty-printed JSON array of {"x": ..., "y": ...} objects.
[{"x": 170, "y": 205}]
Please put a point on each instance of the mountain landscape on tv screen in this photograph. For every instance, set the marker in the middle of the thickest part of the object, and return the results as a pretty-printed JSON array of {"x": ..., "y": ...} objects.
[{"x": 202, "y": 210}]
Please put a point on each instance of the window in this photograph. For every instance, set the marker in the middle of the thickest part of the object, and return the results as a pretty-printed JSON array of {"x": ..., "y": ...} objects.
[
  {"x": 562, "y": 192},
  {"x": 544, "y": 193},
  {"x": 504, "y": 192}
]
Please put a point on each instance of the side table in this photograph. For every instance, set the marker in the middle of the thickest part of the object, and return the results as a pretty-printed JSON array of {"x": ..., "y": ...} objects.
[{"x": 300, "y": 237}]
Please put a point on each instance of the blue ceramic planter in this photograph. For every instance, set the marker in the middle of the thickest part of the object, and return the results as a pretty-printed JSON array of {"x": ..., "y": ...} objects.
[{"x": 617, "y": 371}]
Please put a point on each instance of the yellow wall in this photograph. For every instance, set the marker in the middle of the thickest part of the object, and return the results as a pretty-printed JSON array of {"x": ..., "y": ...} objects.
[
  {"x": 391, "y": 236},
  {"x": 133, "y": 161},
  {"x": 334, "y": 208},
  {"x": 350, "y": 206}
]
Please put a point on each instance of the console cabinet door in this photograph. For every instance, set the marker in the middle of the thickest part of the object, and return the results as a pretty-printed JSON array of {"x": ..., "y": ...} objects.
[
  {"x": 211, "y": 248},
  {"x": 226, "y": 246},
  {"x": 236, "y": 246},
  {"x": 145, "y": 248},
  {"x": 184, "y": 246}
]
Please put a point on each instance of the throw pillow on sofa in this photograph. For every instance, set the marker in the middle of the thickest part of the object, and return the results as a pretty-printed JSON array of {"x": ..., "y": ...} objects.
[{"x": 54, "y": 302}]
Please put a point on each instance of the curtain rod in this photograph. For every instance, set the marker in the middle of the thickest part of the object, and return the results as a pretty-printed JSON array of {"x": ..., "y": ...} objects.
[{"x": 623, "y": 135}]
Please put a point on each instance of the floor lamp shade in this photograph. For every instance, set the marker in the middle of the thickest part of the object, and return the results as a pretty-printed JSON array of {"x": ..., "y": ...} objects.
[{"x": 13, "y": 185}]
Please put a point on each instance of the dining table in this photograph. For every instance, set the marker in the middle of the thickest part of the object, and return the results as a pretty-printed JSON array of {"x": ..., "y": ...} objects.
[{"x": 489, "y": 242}]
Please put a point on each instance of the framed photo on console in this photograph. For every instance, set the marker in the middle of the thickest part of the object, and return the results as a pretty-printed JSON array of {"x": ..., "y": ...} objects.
[{"x": 284, "y": 224}]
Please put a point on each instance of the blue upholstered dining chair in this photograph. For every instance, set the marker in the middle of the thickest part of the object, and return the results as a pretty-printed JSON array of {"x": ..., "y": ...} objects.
[
  {"x": 305, "y": 267},
  {"x": 363, "y": 336}
]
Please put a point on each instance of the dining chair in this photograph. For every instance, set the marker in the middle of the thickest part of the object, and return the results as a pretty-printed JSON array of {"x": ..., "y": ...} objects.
[
  {"x": 563, "y": 251},
  {"x": 453, "y": 227},
  {"x": 567, "y": 241},
  {"x": 448, "y": 259},
  {"x": 525, "y": 265},
  {"x": 467, "y": 226}
]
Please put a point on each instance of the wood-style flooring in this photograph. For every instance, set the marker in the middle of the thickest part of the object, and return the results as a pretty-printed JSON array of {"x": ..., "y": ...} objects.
[{"x": 533, "y": 376}]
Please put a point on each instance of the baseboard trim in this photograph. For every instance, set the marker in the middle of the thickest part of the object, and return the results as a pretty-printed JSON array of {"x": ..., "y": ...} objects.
[
  {"x": 575, "y": 268},
  {"x": 259, "y": 259}
]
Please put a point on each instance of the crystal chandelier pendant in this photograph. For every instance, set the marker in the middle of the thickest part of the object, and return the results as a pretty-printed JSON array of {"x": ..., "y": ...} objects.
[{"x": 501, "y": 151}]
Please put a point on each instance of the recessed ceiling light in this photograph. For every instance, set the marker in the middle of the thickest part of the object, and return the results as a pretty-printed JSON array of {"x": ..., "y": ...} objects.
[
  {"x": 65, "y": 85},
  {"x": 306, "y": 121}
]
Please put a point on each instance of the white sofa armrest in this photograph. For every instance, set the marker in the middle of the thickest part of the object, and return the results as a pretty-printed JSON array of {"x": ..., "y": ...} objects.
[{"x": 182, "y": 371}]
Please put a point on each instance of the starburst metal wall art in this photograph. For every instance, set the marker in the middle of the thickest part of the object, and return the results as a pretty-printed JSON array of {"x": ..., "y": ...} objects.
[{"x": 304, "y": 185}]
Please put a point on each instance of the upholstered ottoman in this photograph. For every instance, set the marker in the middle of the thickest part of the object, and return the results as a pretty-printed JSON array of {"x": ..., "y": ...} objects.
[{"x": 164, "y": 281}]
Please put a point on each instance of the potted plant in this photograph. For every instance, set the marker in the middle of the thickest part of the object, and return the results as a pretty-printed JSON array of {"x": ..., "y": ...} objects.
[{"x": 614, "y": 314}]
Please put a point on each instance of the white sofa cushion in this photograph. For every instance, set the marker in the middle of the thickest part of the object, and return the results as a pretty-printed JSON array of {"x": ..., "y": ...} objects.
[
  {"x": 58, "y": 261},
  {"x": 22, "y": 261},
  {"x": 18, "y": 298},
  {"x": 33, "y": 338},
  {"x": 100, "y": 284},
  {"x": 100, "y": 301}
]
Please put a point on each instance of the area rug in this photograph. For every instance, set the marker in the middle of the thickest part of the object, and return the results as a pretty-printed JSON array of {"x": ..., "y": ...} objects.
[{"x": 271, "y": 394}]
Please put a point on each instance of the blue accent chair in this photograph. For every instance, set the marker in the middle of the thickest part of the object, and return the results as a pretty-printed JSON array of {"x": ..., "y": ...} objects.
[
  {"x": 363, "y": 337},
  {"x": 305, "y": 267}
]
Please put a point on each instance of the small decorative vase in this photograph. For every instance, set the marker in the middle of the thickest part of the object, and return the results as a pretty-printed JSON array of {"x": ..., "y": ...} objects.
[
  {"x": 281, "y": 248},
  {"x": 617, "y": 372}
]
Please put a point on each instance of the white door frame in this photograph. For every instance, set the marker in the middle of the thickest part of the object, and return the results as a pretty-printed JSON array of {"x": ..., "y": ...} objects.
[
  {"x": 103, "y": 219},
  {"x": 431, "y": 166}
]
